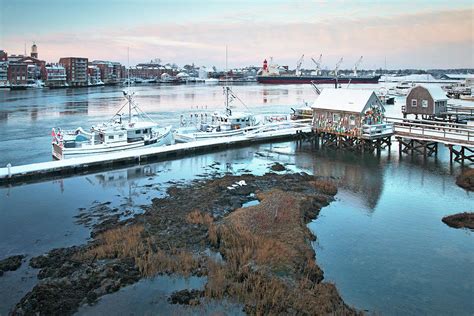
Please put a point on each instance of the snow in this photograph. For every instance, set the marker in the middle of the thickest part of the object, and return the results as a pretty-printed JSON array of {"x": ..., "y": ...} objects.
[
  {"x": 349, "y": 100},
  {"x": 51, "y": 166},
  {"x": 436, "y": 92}
]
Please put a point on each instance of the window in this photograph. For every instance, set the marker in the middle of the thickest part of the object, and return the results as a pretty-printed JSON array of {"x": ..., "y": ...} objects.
[
  {"x": 352, "y": 120},
  {"x": 145, "y": 131},
  {"x": 424, "y": 103},
  {"x": 111, "y": 137},
  {"x": 413, "y": 103},
  {"x": 137, "y": 131}
]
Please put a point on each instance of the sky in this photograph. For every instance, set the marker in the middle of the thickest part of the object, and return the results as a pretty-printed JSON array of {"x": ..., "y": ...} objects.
[{"x": 389, "y": 34}]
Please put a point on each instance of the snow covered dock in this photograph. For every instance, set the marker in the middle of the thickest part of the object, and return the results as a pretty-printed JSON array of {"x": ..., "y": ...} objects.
[{"x": 52, "y": 169}]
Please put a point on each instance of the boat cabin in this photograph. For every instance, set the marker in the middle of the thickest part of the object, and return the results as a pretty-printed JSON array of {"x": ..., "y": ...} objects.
[
  {"x": 231, "y": 121},
  {"x": 350, "y": 112},
  {"x": 427, "y": 101}
]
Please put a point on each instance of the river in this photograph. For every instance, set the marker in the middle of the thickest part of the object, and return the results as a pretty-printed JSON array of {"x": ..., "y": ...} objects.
[{"x": 381, "y": 242}]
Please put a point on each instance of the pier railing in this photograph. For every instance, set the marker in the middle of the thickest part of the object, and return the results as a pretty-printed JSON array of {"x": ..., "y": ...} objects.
[{"x": 444, "y": 132}]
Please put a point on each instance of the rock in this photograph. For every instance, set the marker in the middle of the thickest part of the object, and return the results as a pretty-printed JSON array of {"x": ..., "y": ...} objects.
[
  {"x": 278, "y": 167},
  {"x": 461, "y": 220},
  {"x": 185, "y": 297},
  {"x": 11, "y": 263}
]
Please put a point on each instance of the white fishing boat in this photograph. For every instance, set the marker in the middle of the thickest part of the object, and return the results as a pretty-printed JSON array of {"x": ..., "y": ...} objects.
[
  {"x": 401, "y": 89},
  {"x": 118, "y": 134},
  {"x": 227, "y": 123}
]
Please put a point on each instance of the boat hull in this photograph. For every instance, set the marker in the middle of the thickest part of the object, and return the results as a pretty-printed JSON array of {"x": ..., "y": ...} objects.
[
  {"x": 59, "y": 153},
  {"x": 316, "y": 80}
]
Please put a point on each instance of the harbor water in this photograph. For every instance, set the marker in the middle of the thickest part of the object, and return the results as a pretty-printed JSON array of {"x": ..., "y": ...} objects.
[{"x": 382, "y": 242}]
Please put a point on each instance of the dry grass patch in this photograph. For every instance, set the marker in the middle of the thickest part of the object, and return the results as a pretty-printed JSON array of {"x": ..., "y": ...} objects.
[
  {"x": 325, "y": 186},
  {"x": 130, "y": 242}
]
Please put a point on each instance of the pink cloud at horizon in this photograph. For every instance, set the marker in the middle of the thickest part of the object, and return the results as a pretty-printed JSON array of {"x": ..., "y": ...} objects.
[{"x": 442, "y": 39}]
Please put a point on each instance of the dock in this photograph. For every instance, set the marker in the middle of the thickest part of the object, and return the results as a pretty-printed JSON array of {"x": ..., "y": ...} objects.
[
  {"x": 423, "y": 136},
  {"x": 82, "y": 165}
]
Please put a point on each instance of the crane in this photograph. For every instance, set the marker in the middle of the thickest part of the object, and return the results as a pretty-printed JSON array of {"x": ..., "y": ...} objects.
[
  {"x": 298, "y": 65},
  {"x": 318, "y": 64},
  {"x": 357, "y": 64},
  {"x": 336, "y": 69}
]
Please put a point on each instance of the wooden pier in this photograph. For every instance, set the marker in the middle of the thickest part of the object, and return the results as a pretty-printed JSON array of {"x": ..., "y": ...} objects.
[
  {"x": 423, "y": 136},
  {"x": 82, "y": 165}
]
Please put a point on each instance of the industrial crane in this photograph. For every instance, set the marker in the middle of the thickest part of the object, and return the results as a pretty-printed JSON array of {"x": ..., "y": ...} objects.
[
  {"x": 336, "y": 69},
  {"x": 298, "y": 66},
  {"x": 357, "y": 65},
  {"x": 318, "y": 64}
]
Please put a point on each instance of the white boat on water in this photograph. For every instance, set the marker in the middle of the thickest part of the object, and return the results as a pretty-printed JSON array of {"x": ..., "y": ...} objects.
[
  {"x": 118, "y": 134},
  {"x": 401, "y": 89},
  {"x": 227, "y": 123}
]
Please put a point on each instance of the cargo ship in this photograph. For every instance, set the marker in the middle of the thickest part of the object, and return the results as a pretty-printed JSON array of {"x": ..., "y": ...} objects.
[{"x": 270, "y": 74}]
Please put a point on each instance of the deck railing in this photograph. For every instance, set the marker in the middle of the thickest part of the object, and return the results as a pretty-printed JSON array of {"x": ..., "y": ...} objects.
[{"x": 445, "y": 132}]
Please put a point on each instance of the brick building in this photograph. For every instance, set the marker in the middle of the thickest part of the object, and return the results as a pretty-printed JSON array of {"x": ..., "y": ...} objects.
[{"x": 76, "y": 70}]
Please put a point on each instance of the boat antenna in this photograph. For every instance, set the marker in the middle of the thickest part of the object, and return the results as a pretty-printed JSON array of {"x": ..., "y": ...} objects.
[
  {"x": 226, "y": 88},
  {"x": 129, "y": 96}
]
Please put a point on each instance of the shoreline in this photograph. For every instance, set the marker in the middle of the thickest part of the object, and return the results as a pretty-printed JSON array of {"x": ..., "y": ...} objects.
[{"x": 174, "y": 233}]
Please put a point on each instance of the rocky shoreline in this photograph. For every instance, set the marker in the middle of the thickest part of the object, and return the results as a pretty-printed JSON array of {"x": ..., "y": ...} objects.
[
  {"x": 460, "y": 220},
  {"x": 267, "y": 262}
]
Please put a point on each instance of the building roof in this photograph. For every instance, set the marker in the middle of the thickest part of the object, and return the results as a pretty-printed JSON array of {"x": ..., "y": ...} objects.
[
  {"x": 348, "y": 100},
  {"x": 458, "y": 76},
  {"x": 436, "y": 92}
]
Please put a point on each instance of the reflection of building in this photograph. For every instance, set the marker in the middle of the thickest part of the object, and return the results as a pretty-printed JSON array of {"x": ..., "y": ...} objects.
[
  {"x": 76, "y": 70},
  {"x": 364, "y": 179}
]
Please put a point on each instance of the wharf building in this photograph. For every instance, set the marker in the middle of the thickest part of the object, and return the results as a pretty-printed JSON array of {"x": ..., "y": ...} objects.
[
  {"x": 4, "y": 69},
  {"x": 352, "y": 119},
  {"x": 152, "y": 70},
  {"x": 55, "y": 76},
  {"x": 76, "y": 70},
  {"x": 110, "y": 72},
  {"x": 94, "y": 75}
]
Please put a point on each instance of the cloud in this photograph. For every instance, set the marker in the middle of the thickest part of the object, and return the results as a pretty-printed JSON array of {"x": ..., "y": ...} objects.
[{"x": 418, "y": 40}]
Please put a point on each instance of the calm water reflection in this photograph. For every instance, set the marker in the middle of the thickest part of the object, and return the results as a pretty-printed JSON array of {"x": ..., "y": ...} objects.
[{"x": 382, "y": 242}]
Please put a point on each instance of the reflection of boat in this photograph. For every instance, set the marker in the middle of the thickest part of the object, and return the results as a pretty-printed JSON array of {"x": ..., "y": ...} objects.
[{"x": 115, "y": 135}]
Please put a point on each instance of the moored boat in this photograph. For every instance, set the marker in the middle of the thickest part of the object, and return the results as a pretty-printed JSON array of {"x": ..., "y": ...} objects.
[{"x": 118, "y": 134}]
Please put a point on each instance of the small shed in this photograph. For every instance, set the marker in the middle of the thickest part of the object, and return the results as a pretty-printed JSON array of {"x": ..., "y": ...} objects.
[
  {"x": 347, "y": 110},
  {"x": 426, "y": 101}
]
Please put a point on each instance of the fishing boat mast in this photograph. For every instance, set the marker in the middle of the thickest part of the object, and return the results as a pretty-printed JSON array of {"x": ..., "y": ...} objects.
[
  {"x": 226, "y": 88},
  {"x": 128, "y": 92}
]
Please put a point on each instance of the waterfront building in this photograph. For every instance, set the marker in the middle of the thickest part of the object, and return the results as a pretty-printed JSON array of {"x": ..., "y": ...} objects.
[
  {"x": 55, "y": 76},
  {"x": 427, "y": 101},
  {"x": 4, "y": 69},
  {"x": 110, "y": 72},
  {"x": 347, "y": 110},
  {"x": 152, "y": 70},
  {"x": 76, "y": 70},
  {"x": 17, "y": 73},
  {"x": 94, "y": 75}
]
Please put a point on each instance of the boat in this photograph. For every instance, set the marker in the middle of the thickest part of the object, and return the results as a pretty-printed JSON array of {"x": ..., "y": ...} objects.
[
  {"x": 401, "y": 89},
  {"x": 270, "y": 74},
  {"x": 227, "y": 123},
  {"x": 116, "y": 135}
]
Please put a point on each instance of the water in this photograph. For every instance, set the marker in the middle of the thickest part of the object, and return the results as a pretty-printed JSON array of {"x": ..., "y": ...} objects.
[{"x": 381, "y": 242}]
